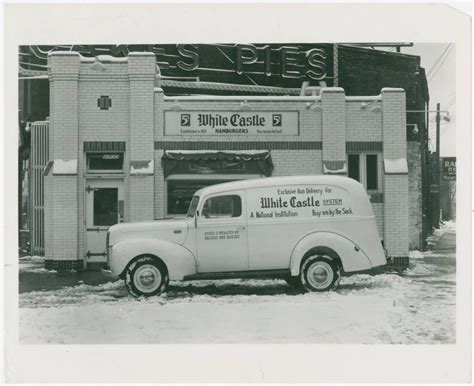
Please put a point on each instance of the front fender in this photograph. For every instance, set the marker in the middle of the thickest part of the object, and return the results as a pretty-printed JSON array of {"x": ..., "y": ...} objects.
[
  {"x": 351, "y": 259},
  {"x": 178, "y": 260}
]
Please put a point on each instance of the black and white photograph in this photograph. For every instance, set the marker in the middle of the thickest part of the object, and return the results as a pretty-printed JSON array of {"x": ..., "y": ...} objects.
[
  {"x": 237, "y": 192},
  {"x": 211, "y": 193}
]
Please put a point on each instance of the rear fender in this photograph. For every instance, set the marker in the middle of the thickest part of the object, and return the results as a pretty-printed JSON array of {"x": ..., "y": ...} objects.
[
  {"x": 178, "y": 260},
  {"x": 337, "y": 246}
]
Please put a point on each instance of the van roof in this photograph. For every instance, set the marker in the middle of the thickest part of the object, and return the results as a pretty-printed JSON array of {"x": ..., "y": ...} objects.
[{"x": 340, "y": 181}]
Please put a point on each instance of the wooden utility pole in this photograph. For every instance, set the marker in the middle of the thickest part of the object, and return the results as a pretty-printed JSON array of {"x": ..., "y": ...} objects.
[{"x": 436, "y": 219}]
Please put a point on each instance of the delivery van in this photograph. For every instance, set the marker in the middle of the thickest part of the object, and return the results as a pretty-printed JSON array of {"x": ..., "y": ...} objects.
[{"x": 306, "y": 230}]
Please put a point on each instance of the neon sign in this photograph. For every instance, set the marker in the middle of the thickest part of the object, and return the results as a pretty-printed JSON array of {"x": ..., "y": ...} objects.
[{"x": 263, "y": 64}]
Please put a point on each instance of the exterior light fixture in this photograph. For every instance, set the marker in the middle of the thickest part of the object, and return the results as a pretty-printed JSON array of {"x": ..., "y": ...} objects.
[
  {"x": 314, "y": 106},
  {"x": 374, "y": 106},
  {"x": 443, "y": 114},
  {"x": 244, "y": 106},
  {"x": 97, "y": 65},
  {"x": 176, "y": 106}
]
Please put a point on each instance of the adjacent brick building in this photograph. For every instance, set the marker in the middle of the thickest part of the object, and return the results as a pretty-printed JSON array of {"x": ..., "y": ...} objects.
[{"x": 122, "y": 150}]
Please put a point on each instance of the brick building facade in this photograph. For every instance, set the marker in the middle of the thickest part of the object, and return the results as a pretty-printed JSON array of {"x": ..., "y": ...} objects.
[{"x": 122, "y": 150}]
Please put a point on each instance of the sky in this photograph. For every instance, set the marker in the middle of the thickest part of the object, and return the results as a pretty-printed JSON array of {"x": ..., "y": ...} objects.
[{"x": 441, "y": 75}]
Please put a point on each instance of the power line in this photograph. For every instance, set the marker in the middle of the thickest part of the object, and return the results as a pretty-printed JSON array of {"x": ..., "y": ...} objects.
[
  {"x": 437, "y": 60},
  {"x": 441, "y": 64}
]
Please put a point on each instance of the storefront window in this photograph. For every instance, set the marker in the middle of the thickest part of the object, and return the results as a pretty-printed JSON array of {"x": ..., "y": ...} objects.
[
  {"x": 105, "y": 162},
  {"x": 181, "y": 192},
  {"x": 365, "y": 168}
]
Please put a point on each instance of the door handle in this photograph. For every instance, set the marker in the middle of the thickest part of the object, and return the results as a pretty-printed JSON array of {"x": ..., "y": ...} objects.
[{"x": 177, "y": 231}]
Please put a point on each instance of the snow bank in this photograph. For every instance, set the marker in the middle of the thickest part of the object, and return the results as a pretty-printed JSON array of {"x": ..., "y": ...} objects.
[
  {"x": 366, "y": 309},
  {"x": 416, "y": 255},
  {"x": 447, "y": 226},
  {"x": 309, "y": 318}
]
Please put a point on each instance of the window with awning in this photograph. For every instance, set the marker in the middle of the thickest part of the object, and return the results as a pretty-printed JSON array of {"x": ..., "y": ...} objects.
[
  {"x": 217, "y": 162},
  {"x": 184, "y": 168}
]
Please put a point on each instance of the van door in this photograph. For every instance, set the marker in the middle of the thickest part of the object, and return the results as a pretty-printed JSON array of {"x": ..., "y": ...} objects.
[
  {"x": 221, "y": 234},
  {"x": 104, "y": 208}
]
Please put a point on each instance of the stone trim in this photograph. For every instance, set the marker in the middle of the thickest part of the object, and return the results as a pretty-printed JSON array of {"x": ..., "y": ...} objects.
[
  {"x": 234, "y": 145},
  {"x": 104, "y": 145},
  {"x": 364, "y": 146}
]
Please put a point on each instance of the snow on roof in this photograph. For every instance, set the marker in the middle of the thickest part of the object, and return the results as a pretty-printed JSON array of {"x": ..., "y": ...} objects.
[
  {"x": 243, "y": 152},
  {"x": 141, "y": 167},
  {"x": 392, "y": 89}
]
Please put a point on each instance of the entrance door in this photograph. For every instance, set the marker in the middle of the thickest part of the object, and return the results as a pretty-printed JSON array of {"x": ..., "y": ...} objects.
[
  {"x": 221, "y": 234},
  {"x": 104, "y": 207}
]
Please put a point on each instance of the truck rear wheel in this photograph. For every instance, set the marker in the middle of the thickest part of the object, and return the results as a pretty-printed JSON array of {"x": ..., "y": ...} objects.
[
  {"x": 146, "y": 276},
  {"x": 320, "y": 273}
]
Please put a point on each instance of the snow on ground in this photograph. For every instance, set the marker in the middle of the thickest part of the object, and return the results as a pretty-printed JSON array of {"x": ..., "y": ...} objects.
[{"x": 417, "y": 306}]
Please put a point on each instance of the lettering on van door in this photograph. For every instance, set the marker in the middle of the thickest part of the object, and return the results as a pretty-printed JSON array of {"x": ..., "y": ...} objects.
[
  {"x": 222, "y": 235},
  {"x": 299, "y": 201}
]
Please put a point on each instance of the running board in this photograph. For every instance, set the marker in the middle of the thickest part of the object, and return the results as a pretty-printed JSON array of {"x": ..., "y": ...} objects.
[{"x": 261, "y": 274}]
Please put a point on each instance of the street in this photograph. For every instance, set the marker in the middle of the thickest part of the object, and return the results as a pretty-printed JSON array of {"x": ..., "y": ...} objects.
[{"x": 417, "y": 306}]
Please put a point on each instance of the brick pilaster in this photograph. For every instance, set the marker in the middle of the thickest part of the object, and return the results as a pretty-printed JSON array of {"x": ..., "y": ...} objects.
[
  {"x": 333, "y": 102},
  {"x": 396, "y": 213},
  {"x": 141, "y": 73},
  {"x": 61, "y": 209}
]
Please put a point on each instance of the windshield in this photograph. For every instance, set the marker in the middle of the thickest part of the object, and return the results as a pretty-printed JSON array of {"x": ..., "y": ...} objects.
[{"x": 193, "y": 206}]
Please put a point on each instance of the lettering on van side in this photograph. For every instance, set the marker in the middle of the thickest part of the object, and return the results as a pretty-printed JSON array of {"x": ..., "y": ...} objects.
[{"x": 222, "y": 235}]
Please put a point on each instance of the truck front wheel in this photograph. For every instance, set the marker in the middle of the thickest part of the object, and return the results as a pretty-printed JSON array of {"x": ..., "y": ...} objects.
[
  {"x": 320, "y": 273},
  {"x": 146, "y": 276}
]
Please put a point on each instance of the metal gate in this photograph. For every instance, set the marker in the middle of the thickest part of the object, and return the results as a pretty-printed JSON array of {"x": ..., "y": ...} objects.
[{"x": 39, "y": 156}]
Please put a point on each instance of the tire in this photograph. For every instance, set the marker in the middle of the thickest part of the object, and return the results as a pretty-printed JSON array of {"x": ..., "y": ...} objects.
[
  {"x": 320, "y": 273},
  {"x": 146, "y": 276},
  {"x": 294, "y": 281}
]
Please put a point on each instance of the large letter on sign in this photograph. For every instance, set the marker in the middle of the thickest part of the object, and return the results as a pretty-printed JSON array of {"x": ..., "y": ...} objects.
[
  {"x": 189, "y": 54},
  {"x": 245, "y": 59},
  {"x": 287, "y": 60},
  {"x": 316, "y": 61}
]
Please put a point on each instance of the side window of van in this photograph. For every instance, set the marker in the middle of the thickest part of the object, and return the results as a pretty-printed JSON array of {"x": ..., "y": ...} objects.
[{"x": 222, "y": 206}]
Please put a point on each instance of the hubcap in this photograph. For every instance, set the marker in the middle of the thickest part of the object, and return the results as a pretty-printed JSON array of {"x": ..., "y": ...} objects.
[
  {"x": 320, "y": 275},
  {"x": 147, "y": 278}
]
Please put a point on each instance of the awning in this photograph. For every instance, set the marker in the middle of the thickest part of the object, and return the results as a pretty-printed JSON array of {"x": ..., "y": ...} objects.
[{"x": 216, "y": 161}]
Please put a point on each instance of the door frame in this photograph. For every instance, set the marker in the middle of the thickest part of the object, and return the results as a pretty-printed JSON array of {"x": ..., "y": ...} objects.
[{"x": 120, "y": 180}]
